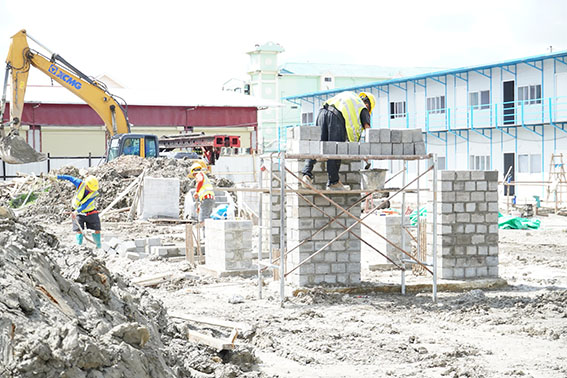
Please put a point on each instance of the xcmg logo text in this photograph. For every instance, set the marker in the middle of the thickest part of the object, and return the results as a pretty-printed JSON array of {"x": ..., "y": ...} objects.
[{"x": 54, "y": 70}]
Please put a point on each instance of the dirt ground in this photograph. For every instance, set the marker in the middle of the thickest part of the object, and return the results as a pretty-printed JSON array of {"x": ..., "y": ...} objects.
[{"x": 518, "y": 330}]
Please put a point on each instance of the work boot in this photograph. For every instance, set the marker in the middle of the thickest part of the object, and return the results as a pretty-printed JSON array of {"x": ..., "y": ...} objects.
[
  {"x": 338, "y": 186},
  {"x": 306, "y": 179},
  {"x": 79, "y": 238},
  {"x": 96, "y": 238}
]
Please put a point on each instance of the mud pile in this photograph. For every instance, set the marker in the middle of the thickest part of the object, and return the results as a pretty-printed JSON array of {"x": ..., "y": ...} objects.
[
  {"x": 114, "y": 178},
  {"x": 64, "y": 314}
]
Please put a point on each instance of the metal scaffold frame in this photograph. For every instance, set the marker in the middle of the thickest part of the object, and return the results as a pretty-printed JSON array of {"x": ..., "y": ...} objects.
[{"x": 279, "y": 262}]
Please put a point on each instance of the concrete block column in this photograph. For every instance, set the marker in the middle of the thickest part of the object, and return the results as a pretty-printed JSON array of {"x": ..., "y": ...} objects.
[
  {"x": 468, "y": 224},
  {"x": 339, "y": 263},
  {"x": 228, "y": 245}
]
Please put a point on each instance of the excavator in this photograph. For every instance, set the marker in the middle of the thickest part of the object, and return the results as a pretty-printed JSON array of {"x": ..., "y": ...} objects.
[{"x": 15, "y": 150}]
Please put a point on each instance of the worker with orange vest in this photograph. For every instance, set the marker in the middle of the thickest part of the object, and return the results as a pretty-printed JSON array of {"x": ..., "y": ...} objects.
[
  {"x": 204, "y": 191},
  {"x": 84, "y": 210}
]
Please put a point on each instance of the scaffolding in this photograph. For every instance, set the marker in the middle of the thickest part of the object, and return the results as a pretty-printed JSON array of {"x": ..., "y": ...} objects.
[{"x": 411, "y": 259}]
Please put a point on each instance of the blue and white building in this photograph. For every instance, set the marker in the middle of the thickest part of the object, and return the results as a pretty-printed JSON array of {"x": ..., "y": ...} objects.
[{"x": 506, "y": 116}]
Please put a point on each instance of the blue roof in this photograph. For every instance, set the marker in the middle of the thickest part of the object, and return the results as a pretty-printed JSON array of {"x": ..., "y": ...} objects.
[
  {"x": 350, "y": 70},
  {"x": 561, "y": 54}
]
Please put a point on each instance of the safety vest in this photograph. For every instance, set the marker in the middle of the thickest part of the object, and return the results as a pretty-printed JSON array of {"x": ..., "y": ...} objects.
[
  {"x": 350, "y": 106},
  {"x": 80, "y": 199},
  {"x": 206, "y": 188}
]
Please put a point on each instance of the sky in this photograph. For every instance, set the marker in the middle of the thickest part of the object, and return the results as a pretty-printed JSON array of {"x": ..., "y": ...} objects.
[{"x": 189, "y": 45}]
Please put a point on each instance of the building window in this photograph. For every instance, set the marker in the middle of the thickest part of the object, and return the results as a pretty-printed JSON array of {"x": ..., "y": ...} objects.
[
  {"x": 307, "y": 118},
  {"x": 529, "y": 163},
  {"x": 480, "y": 162},
  {"x": 479, "y": 100},
  {"x": 436, "y": 104},
  {"x": 328, "y": 79},
  {"x": 530, "y": 94},
  {"x": 397, "y": 109}
]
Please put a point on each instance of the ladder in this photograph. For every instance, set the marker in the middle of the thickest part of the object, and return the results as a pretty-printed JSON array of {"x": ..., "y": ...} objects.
[{"x": 557, "y": 179}]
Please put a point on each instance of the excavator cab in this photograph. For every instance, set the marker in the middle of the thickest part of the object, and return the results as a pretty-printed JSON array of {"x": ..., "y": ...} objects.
[{"x": 144, "y": 145}]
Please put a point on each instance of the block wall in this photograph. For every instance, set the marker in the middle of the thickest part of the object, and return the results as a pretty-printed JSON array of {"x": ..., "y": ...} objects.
[{"x": 468, "y": 224}]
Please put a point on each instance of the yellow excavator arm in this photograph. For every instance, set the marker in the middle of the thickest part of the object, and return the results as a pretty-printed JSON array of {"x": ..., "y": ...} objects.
[{"x": 20, "y": 59}]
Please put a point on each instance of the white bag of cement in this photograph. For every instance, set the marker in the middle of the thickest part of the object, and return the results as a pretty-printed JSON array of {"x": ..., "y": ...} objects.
[
  {"x": 159, "y": 198},
  {"x": 189, "y": 206}
]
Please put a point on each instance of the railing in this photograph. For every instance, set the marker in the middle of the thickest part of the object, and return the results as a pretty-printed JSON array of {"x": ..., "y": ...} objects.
[{"x": 10, "y": 171}]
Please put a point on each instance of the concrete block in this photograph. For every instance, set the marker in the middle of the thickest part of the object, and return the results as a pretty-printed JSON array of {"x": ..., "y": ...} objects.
[
  {"x": 397, "y": 149},
  {"x": 328, "y": 148},
  {"x": 417, "y": 135},
  {"x": 385, "y": 136},
  {"x": 153, "y": 241},
  {"x": 140, "y": 242},
  {"x": 136, "y": 255},
  {"x": 408, "y": 148},
  {"x": 407, "y": 136},
  {"x": 342, "y": 148},
  {"x": 420, "y": 148},
  {"x": 386, "y": 148},
  {"x": 302, "y": 132},
  {"x": 375, "y": 149},
  {"x": 372, "y": 136},
  {"x": 314, "y": 147},
  {"x": 315, "y": 133},
  {"x": 160, "y": 198},
  {"x": 128, "y": 246},
  {"x": 364, "y": 148},
  {"x": 353, "y": 148},
  {"x": 396, "y": 136}
]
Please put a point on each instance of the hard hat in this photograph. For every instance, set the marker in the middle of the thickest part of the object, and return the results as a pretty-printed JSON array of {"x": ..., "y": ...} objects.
[
  {"x": 92, "y": 183},
  {"x": 370, "y": 97},
  {"x": 195, "y": 167}
]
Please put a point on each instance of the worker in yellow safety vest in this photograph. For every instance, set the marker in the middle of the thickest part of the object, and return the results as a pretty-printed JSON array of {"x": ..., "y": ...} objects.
[
  {"x": 342, "y": 117},
  {"x": 84, "y": 212},
  {"x": 204, "y": 192}
]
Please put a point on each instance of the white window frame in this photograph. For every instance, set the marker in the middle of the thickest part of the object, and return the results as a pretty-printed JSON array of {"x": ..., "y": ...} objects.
[
  {"x": 399, "y": 109},
  {"x": 436, "y": 104},
  {"x": 307, "y": 118},
  {"x": 529, "y": 163},
  {"x": 479, "y": 162},
  {"x": 529, "y": 94},
  {"x": 476, "y": 100}
]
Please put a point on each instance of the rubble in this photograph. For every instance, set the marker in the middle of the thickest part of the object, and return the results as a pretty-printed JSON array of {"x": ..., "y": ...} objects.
[
  {"x": 114, "y": 178},
  {"x": 64, "y": 314}
]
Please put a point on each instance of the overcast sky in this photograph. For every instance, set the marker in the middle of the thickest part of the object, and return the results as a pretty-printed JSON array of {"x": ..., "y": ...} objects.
[{"x": 190, "y": 45}]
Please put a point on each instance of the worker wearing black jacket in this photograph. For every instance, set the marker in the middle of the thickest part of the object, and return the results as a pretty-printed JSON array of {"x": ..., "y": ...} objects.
[{"x": 342, "y": 117}]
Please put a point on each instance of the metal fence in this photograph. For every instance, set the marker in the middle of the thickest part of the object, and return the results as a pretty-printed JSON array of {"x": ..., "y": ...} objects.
[{"x": 10, "y": 171}]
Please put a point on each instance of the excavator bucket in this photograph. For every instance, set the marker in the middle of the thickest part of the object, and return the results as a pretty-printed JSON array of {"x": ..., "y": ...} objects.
[{"x": 15, "y": 150}]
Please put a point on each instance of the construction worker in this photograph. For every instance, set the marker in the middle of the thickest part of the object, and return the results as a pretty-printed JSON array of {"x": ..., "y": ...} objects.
[
  {"x": 204, "y": 192},
  {"x": 342, "y": 117},
  {"x": 84, "y": 210}
]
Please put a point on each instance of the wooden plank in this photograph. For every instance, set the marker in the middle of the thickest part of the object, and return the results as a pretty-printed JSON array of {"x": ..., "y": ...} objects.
[
  {"x": 213, "y": 342},
  {"x": 243, "y": 327},
  {"x": 122, "y": 195},
  {"x": 189, "y": 251}
]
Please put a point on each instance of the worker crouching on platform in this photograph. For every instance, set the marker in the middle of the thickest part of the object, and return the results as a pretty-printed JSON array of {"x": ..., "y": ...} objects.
[
  {"x": 204, "y": 192},
  {"x": 342, "y": 117},
  {"x": 84, "y": 210}
]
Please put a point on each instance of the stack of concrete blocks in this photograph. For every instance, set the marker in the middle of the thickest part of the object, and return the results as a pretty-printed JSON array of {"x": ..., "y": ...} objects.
[
  {"x": 390, "y": 227},
  {"x": 468, "y": 224},
  {"x": 159, "y": 198},
  {"x": 390, "y": 142},
  {"x": 275, "y": 209},
  {"x": 339, "y": 263},
  {"x": 132, "y": 249},
  {"x": 229, "y": 246}
]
